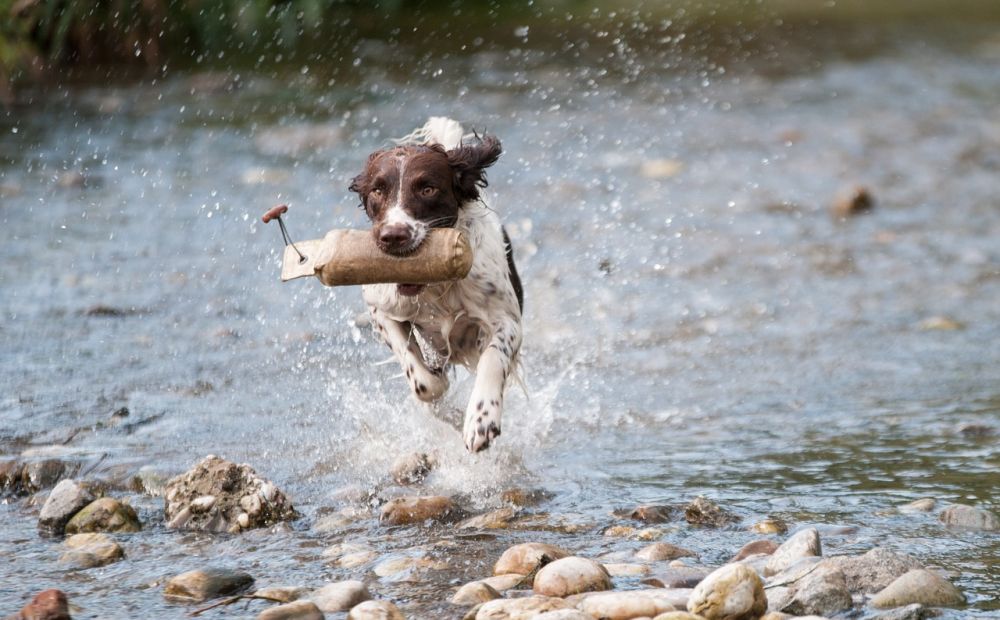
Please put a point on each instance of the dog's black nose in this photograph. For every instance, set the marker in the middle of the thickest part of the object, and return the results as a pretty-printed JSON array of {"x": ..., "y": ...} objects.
[{"x": 395, "y": 236}]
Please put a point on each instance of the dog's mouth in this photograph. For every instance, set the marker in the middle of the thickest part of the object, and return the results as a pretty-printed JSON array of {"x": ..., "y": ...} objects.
[{"x": 410, "y": 290}]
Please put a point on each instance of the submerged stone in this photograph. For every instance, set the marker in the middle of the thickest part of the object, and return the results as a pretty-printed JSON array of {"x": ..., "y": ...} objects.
[
  {"x": 104, "y": 515},
  {"x": 207, "y": 583}
]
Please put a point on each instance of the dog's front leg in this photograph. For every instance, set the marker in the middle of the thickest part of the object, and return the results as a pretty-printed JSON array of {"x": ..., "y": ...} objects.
[
  {"x": 427, "y": 385},
  {"x": 482, "y": 416}
]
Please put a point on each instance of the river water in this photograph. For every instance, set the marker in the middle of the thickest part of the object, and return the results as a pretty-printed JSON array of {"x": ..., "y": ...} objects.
[{"x": 697, "y": 323}]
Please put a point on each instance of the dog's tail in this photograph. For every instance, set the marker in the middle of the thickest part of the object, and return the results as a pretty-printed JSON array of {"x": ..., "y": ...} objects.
[{"x": 438, "y": 130}]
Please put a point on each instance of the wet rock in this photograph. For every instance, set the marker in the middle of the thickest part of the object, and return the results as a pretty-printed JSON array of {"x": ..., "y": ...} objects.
[
  {"x": 960, "y": 515},
  {"x": 661, "y": 551},
  {"x": 926, "y": 504},
  {"x": 756, "y": 547},
  {"x": 733, "y": 592},
  {"x": 874, "y": 570},
  {"x": 340, "y": 596},
  {"x": 910, "y": 612},
  {"x": 678, "y": 615},
  {"x": 822, "y": 592},
  {"x": 353, "y": 560},
  {"x": 242, "y": 499},
  {"x": 706, "y": 513},
  {"x": 411, "y": 468},
  {"x": 207, "y": 583},
  {"x": 519, "y": 608},
  {"x": 401, "y": 568},
  {"x": 853, "y": 201},
  {"x": 294, "y": 140},
  {"x": 919, "y": 586},
  {"x": 104, "y": 515},
  {"x": 939, "y": 323},
  {"x": 660, "y": 168},
  {"x": 409, "y": 510},
  {"x": 65, "y": 500},
  {"x": 776, "y": 615},
  {"x": 624, "y": 605},
  {"x": 281, "y": 594},
  {"x": 46, "y": 605},
  {"x": 91, "y": 550},
  {"x": 524, "y": 498},
  {"x": 769, "y": 526},
  {"x": 677, "y": 577},
  {"x": 474, "y": 593},
  {"x": 10, "y": 477},
  {"x": 571, "y": 575},
  {"x": 976, "y": 431},
  {"x": 298, "y": 610},
  {"x": 675, "y": 598},
  {"x": 616, "y": 569},
  {"x": 502, "y": 583},
  {"x": 619, "y": 531},
  {"x": 804, "y": 543},
  {"x": 496, "y": 519},
  {"x": 38, "y": 475},
  {"x": 375, "y": 610},
  {"x": 526, "y": 558},
  {"x": 654, "y": 514},
  {"x": 563, "y": 614}
]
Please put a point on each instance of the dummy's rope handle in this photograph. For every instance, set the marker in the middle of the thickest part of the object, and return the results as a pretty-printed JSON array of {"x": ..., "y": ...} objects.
[{"x": 275, "y": 213}]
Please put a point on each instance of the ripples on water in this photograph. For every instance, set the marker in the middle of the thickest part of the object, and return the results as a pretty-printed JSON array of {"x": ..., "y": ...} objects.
[{"x": 710, "y": 332}]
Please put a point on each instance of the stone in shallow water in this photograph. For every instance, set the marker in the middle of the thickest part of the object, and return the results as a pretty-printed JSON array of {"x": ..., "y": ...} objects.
[
  {"x": 678, "y": 615},
  {"x": 410, "y": 510},
  {"x": 281, "y": 594},
  {"x": 299, "y": 610},
  {"x": 706, "y": 513},
  {"x": 519, "y": 608},
  {"x": 496, "y": 519},
  {"x": 660, "y": 551},
  {"x": 960, "y": 515},
  {"x": 104, "y": 515},
  {"x": 375, "y": 610},
  {"x": 563, "y": 614},
  {"x": 46, "y": 605},
  {"x": 925, "y": 504},
  {"x": 769, "y": 526},
  {"x": 502, "y": 583},
  {"x": 617, "y": 569},
  {"x": 804, "y": 543},
  {"x": 474, "y": 593},
  {"x": 242, "y": 499},
  {"x": 571, "y": 575},
  {"x": 756, "y": 547},
  {"x": 677, "y": 577},
  {"x": 910, "y": 612},
  {"x": 340, "y": 596},
  {"x": 874, "y": 570},
  {"x": 624, "y": 605},
  {"x": 919, "y": 586},
  {"x": 65, "y": 500},
  {"x": 822, "y": 592},
  {"x": 91, "y": 550},
  {"x": 206, "y": 583},
  {"x": 653, "y": 514},
  {"x": 411, "y": 468},
  {"x": 526, "y": 558},
  {"x": 732, "y": 592}
]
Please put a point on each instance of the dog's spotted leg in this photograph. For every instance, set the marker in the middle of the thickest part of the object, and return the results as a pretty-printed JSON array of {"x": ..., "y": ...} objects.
[
  {"x": 427, "y": 385},
  {"x": 482, "y": 416}
]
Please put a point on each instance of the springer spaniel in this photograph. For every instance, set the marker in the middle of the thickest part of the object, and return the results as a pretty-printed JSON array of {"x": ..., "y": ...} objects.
[{"x": 432, "y": 180}]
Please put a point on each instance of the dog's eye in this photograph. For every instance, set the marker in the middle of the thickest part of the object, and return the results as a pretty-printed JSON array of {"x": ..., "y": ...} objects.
[
  {"x": 377, "y": 192},
  {"x": 428, "y": 191}
]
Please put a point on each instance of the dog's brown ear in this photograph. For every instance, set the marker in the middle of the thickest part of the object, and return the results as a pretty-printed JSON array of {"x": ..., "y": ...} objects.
[
  {"x": 360, "y": 183},
  {"x": 470, "y": 162}
]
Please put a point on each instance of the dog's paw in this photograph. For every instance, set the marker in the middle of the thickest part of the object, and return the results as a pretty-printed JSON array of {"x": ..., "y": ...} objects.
[
  {"x": 482, "y": 426},
  {"x": 428, "y": 385}
]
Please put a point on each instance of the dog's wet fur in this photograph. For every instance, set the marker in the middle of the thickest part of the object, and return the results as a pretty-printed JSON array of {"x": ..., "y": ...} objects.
[{"x": 406, "y": 191}]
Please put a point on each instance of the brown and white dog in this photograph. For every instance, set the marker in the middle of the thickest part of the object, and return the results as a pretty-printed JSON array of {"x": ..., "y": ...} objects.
[{"x": 432, "y": 179}]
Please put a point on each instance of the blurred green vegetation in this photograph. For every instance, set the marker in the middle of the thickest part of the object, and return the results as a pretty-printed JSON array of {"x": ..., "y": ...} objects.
[{"x": 40, "y": 36}]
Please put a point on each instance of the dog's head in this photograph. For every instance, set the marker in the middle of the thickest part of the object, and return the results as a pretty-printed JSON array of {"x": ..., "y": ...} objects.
[{"x": 407, "y": 190}]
